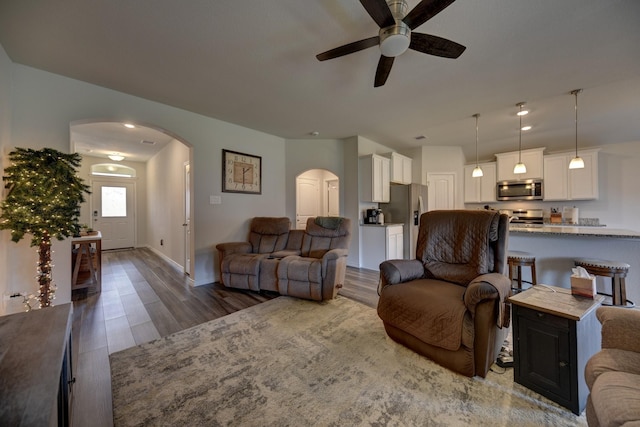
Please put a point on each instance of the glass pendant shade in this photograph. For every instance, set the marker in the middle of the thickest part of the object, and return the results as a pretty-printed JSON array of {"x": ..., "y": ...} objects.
[
  {"x": 576, "y": 162},
  {"x": 520, "y": 168},
  {"x": 477, "y": 171}
]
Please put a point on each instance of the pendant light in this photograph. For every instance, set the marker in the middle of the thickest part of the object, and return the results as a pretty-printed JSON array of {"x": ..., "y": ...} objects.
[
  {"x": 477, "y": 171},
  {"x": 576, "y": 162},
  {"x": 520, "y": 168}
]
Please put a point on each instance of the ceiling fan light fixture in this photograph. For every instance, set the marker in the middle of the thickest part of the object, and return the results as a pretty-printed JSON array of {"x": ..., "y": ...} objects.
[
  {"x": 395, "y": 40},
  {"x": 576, "y": 162}
]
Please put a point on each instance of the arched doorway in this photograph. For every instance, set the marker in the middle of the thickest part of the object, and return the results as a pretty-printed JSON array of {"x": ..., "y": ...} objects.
[
  {"x": 162, "y": 161},
  {"x": 317, "y": 194}
]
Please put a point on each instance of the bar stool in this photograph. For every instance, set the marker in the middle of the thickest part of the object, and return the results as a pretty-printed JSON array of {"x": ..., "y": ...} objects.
[
  {"x": 521, "y": 259},
  {"x": 614, "y": 269}
]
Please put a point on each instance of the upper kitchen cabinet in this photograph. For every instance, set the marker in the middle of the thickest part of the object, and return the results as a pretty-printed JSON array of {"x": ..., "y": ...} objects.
[
  {"x": 562, "y": 183},
  {"x": 400, "y": 169},
  {"x": 482, "y": 189},
  {"x": 532, "y": 159},
  {"x": 374, "y": 178}
]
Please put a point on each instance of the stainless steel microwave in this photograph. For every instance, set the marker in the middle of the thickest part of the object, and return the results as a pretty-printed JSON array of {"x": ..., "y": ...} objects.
[{"x": 528, "y": 189}]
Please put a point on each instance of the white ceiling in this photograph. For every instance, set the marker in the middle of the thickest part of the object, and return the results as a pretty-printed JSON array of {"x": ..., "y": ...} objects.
[
  {"x": 252, "y": 63},
  {"x": 100, "y": 139}
]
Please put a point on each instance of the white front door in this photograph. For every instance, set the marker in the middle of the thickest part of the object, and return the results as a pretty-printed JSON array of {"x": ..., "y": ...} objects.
[
  {"x": 441, "y": 192},
  {"x": 113, "y": 213},
  {"x": 307, "y": 201}
]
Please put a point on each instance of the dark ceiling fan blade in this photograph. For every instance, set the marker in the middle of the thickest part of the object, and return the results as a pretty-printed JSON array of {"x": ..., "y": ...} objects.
[
  {"x": 434, "y": 45},
  {"x": 349, "y": 48},
  {"x": 424, "y": 11},
  {"x": 379, "y": 11},
  {"x": 383, "y": 70}
]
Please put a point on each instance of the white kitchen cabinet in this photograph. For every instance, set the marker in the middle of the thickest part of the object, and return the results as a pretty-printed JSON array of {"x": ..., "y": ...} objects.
[
  {"x": 562, "y": 183},
  {"x": 532, "y": 159},
  {"x": 556, "y": 175},
  {"x": 395, "y": 242},
  {"x": 483, "y": 189},
  {"x": 381, "y": 242},
  {"x": 374, "y": 178},
  {"x": 400, "y": 169}
]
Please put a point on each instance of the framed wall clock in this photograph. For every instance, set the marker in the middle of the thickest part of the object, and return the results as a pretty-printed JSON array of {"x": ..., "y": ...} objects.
[{"x": 241, "y": 173}]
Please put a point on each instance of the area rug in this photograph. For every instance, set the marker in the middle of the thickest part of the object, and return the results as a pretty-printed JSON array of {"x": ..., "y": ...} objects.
[{"x": 290, "y": 362}]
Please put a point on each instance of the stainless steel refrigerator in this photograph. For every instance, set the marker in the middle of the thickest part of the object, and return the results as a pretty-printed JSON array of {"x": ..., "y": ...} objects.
[{"x": 406, "y": 204}]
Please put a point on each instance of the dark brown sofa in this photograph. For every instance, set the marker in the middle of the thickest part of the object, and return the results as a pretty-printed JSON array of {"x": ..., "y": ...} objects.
[
  {"x": 319, "y": 271},
  {"x": 613, "y": 374},
  {"x": 449, "y": 304},
  {"x": 308, "y": 263}
]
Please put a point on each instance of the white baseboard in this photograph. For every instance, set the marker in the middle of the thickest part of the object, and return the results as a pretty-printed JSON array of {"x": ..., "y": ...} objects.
[{"x": 169, "y": 260}]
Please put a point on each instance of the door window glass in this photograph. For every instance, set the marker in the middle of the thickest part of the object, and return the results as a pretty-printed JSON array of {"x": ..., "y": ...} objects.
[{"x": 114, "y": 201}]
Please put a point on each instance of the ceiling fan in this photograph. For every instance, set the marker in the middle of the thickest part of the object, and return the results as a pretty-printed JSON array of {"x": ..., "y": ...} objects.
[{"x": 396, "y": 34}]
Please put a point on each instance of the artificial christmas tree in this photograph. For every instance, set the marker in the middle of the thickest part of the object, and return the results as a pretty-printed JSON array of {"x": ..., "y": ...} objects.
[{"x": 43, "y": 200}]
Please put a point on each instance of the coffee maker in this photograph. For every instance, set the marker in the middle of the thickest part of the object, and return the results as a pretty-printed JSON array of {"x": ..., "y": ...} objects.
[{"x": 371, "y": 216}]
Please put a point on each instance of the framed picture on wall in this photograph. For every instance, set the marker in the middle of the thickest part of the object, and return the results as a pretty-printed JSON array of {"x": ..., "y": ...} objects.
[{"x": 241, "y": 172}]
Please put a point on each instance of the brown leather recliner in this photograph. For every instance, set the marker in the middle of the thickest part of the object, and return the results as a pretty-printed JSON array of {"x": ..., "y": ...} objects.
[
  {"x": 240, "y": 261},
  {"x": 449, "y": 304},
  {"x": 319, "y": 271}
]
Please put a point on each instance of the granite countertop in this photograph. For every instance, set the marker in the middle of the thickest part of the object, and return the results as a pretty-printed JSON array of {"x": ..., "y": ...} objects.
[{"x": 573, "y": 230}]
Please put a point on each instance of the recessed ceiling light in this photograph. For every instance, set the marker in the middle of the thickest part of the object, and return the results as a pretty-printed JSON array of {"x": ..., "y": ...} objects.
[
  {"x": 129, "y": 125},
  {"x": 526, "y": 127}
]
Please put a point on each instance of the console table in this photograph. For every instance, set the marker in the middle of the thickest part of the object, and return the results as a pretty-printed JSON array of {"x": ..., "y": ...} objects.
[
  {"x": 554, "y": 334},
  {"x": 35, "y": 367},
  {"x": 86, "y": 248}
]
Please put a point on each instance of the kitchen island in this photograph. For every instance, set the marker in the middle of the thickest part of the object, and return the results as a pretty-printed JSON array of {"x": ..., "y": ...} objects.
[{"x": 555, "y": 247}]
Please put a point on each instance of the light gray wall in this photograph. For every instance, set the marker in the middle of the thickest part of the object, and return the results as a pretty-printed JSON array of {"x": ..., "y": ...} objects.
[
  {"x": 5, "y": 147},
  {"x": 305, "y": 154},
  {"x": 165, "y": 202},
  {"x": 43, "y": 106}
]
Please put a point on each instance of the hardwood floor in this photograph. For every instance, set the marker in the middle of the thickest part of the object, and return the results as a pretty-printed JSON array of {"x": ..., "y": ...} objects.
[{"x": 144, "y": 298}]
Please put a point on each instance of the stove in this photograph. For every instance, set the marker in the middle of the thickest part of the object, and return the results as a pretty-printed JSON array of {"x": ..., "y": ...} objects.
[{"x": 526, "y": 217}]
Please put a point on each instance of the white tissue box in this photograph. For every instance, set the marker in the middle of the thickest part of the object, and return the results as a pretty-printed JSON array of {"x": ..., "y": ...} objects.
[{"x": 583, "y": 286}]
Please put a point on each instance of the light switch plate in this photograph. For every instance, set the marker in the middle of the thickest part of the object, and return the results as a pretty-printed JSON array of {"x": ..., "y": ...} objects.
[{"x": 215, "y": 200}]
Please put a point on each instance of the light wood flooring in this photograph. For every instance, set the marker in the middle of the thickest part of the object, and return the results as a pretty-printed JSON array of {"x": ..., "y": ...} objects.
[{"x": 144, "y": 298}]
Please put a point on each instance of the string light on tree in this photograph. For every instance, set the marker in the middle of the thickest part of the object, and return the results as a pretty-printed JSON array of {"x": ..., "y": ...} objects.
[{"x": 43, "y": 200}]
